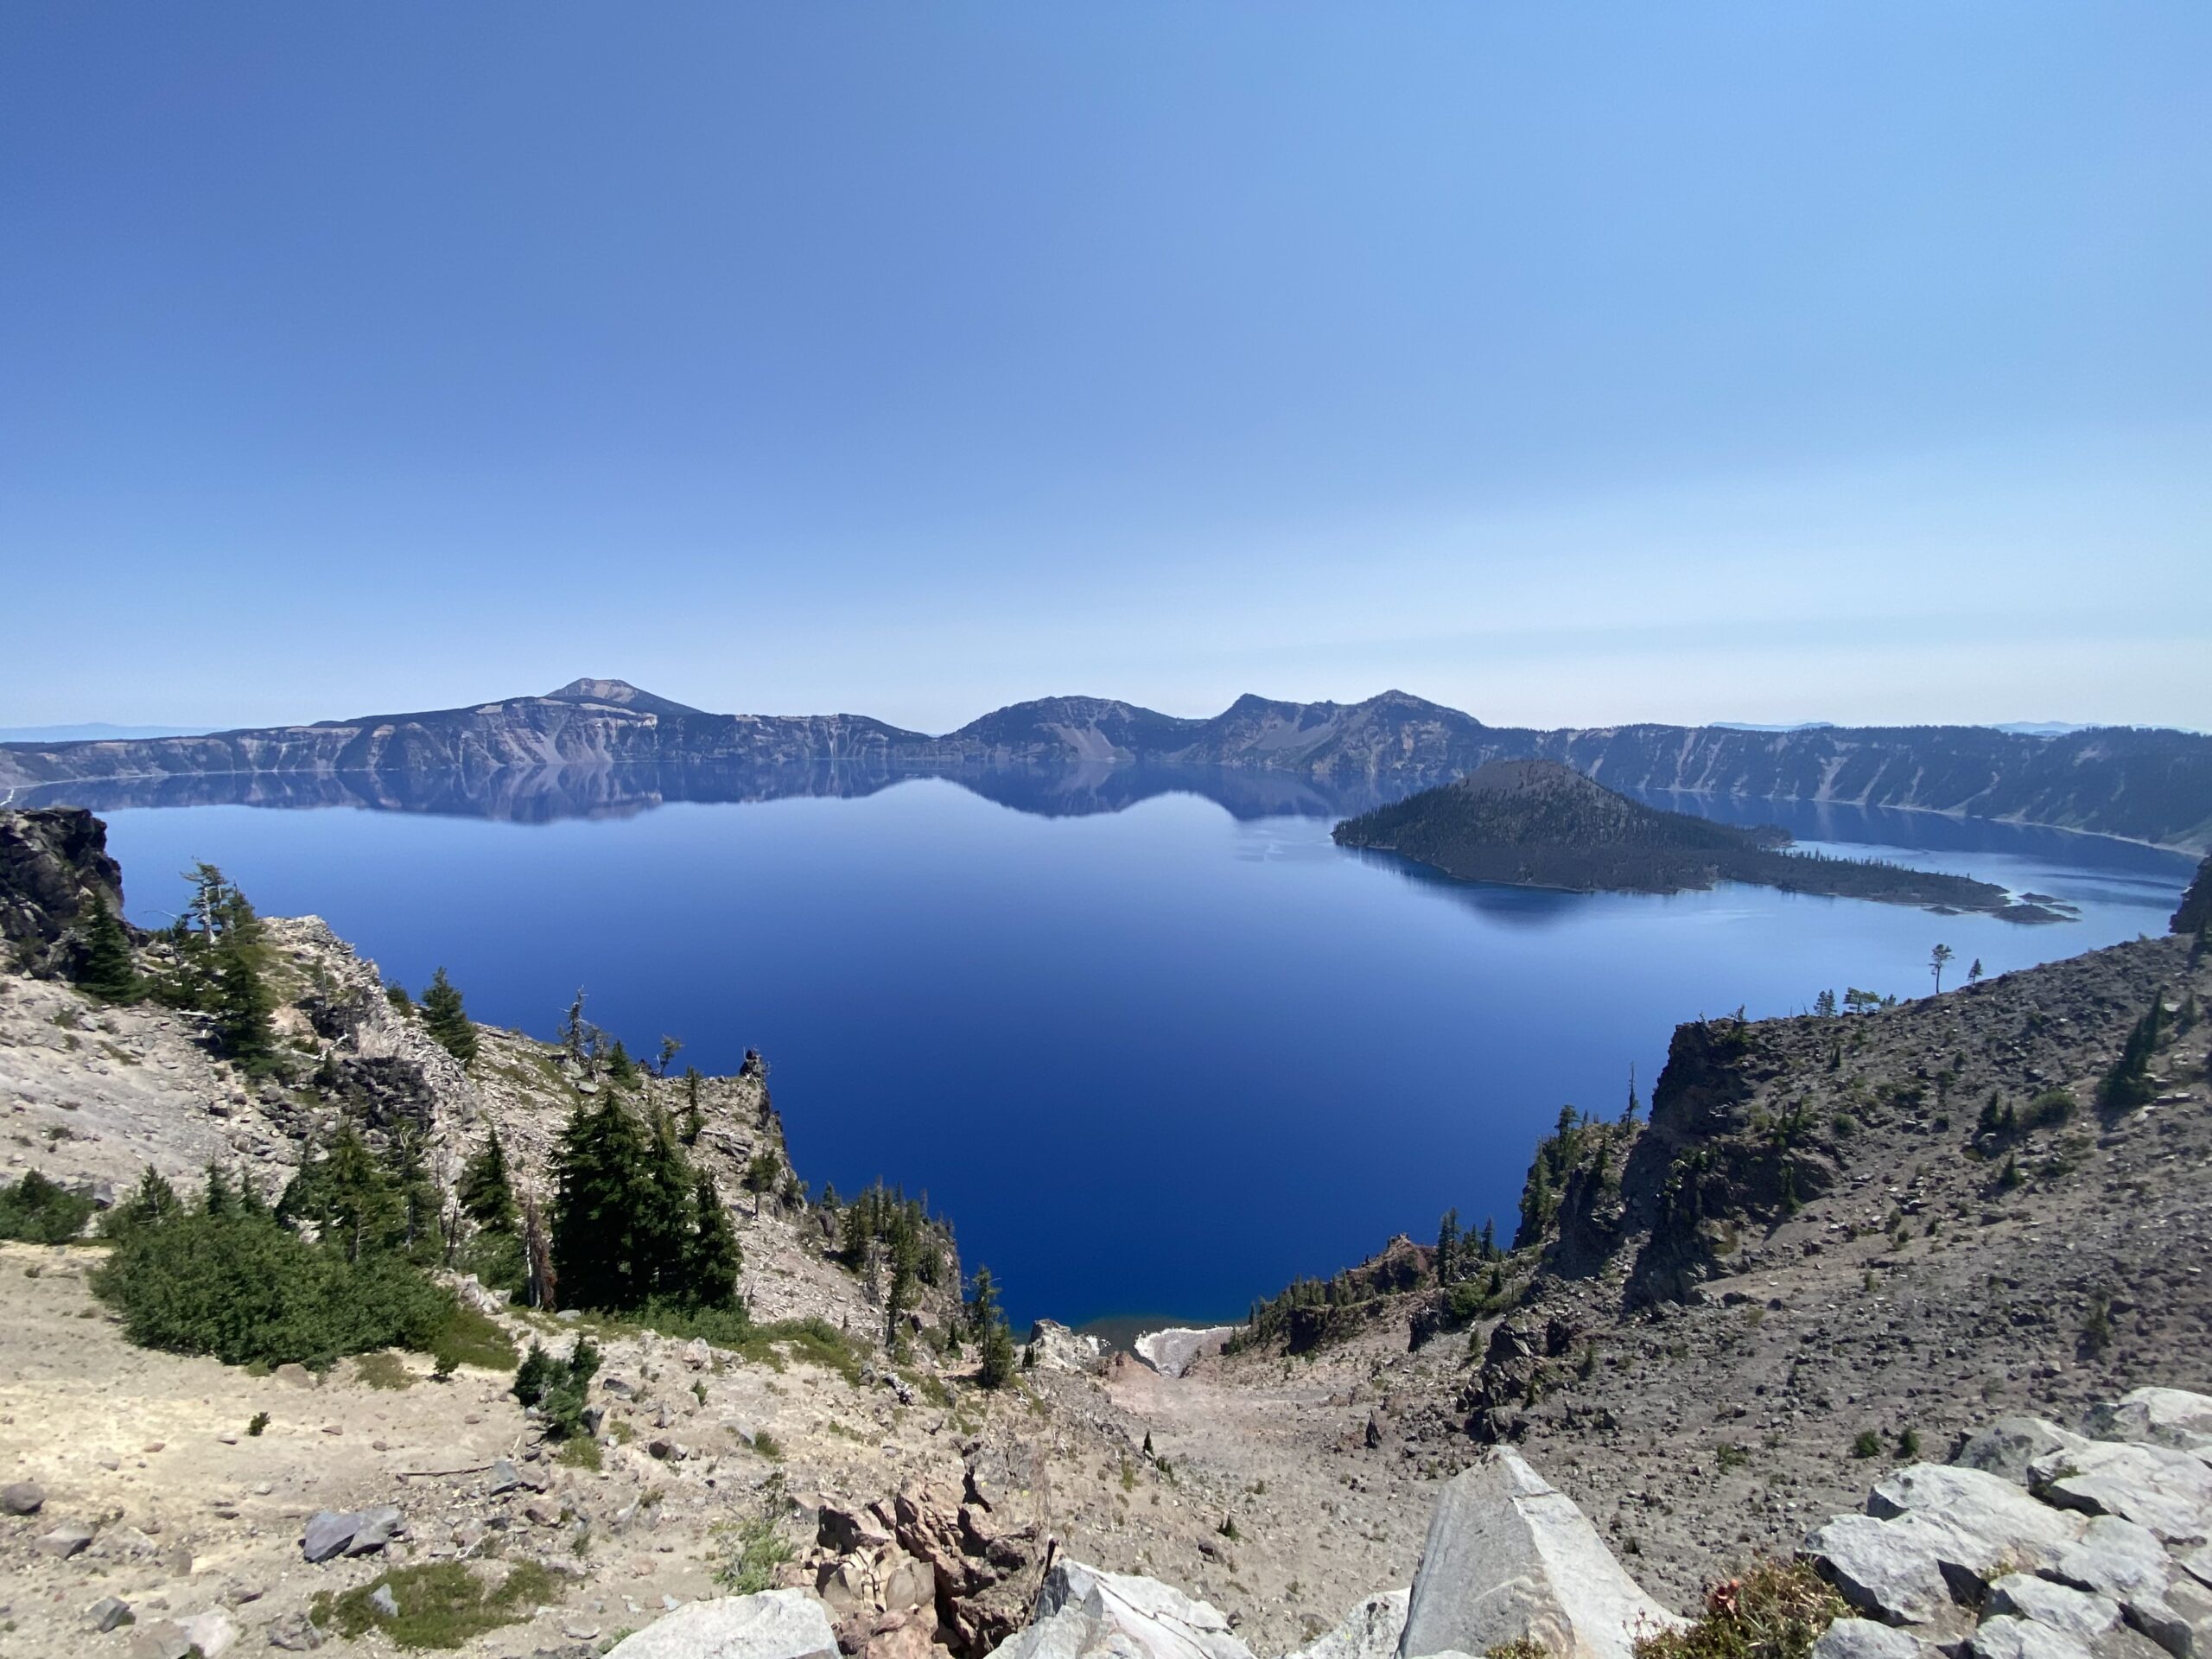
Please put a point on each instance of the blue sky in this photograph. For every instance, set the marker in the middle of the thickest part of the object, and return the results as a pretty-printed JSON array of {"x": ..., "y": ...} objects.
[{"x": 1568, "y": 364}]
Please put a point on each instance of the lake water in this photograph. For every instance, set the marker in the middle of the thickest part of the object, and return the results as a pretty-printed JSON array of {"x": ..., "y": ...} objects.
[{"x": 1152, "y": 1053}]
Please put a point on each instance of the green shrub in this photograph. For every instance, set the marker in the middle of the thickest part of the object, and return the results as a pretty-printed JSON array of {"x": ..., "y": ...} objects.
[
  {"x": 1776, "y": 1610},
  {"x": 1868, "y": 1445},
  {"x": 558, "y": 1387},
  {"x": 442, "y": 1604},
  {"x": 382, "y": 1370},
  {"x": 40, "y": 1212},
  {"x": 227, "y": 1278}
]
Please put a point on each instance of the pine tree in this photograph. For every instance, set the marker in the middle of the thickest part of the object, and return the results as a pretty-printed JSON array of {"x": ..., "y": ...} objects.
[
  {"x": 226, "y": 962},
  {"x": 485, "y": 1190},
  {"x": 106, "y": 967},
  {"x": 447, "y": 1020},
  {"x": 982, "y": 1304},
  {"x": 355, "y": 1203},
  {"x": 999, "y": 1359},
  {"x": 712, "y": 1259},
  {"x": 598, "y": 1197},
  {"x": 1489, "y": 1239},
  {"x": 694, "y": 1124},
  {"x": 2128, "y": 1085},
  {"x": 419, "y": 1198},
  {"x": 620, "y": 1068},
  {"x": 1448, "y": 1248},
  {"x": 667, "y": 1219}
]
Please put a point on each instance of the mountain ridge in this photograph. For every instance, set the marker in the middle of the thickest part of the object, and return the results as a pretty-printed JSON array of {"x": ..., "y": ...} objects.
[{"x": 2141, "y": 784}]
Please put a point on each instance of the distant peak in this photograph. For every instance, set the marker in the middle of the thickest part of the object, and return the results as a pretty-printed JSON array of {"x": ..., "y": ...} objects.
[{"x": 619, "y": 694}]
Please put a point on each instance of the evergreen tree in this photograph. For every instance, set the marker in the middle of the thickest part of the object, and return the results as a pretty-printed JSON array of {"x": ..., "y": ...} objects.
[
  {"x": 356, "y": 1205},
  {"x": 711, "y": 1257},
  {"x": 620, "y": 1068},
  {"x": 1448, "y": 1248},
  {"x": 694, "y": 1124},
  {"x": 599, "y": 1198},
  {"x": 2128, "y": 1085},
  {"x": 1489, "y": 1238},
  {"x": 151, "y": 1201},
  {"x": 982, "y": 1304},
  {"x": 419, "y": 1198},
  {"x": 105, "y": 969},
  {"x": 447, "y": 1020},
  {"x": 485, "y": 1190},
  {"x": 225, "y": 963},
  {"x": 999, "y": 1360},
  {"x": 667, "y": 1219}
]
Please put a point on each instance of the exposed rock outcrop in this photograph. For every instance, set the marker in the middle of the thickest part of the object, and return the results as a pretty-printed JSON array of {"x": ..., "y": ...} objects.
[
  {"x": 773, "y": 1625},
  {"x": 1510, "y": 1556},
  {"x": 53, "y": 863}
]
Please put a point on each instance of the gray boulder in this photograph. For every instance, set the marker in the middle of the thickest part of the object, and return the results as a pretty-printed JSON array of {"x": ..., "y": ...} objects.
[
  {"x": 327, "y": 1533},
  {"x": 2168, "y": 1491},
  {"x": 22, "y": 1498},
  {"x": 2114, "y": 1558},
  {"x": 1867, "y": 1638},
  {"x": 774, "y": 1624},
  {"x": 164, "y": 1639},
  {"x": 2168, "y": 1417},
  {"x": 1980, "y": 1505},
  {"x": 2006, "y": 1637},
  {"x": 377, "y": 1528},
  {"x": 2078, "y": 1613},
  {"x": 294, "y": 1633},
  {"x": 214, "y": 1633},
  {"x": 1889, "y": 1570},
  {"x": 1369, "y": 1630},
  {"x": 108, "y": 1612},
  {"x": 1507, "y": 1556},
  {"x": 64, "y": 1542},
  {"x": 1083, "y": 1613},
  {"x": 383, "y": 1602},
  {"x": 2008, "y": 1446}
]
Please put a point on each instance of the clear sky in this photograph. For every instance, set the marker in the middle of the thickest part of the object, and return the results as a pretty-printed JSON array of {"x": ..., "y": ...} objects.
[{"x": 1568, "y": 364}]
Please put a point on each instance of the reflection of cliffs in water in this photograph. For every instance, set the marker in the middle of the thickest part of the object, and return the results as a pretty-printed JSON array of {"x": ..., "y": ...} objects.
[{"x": 546, "y": 794}]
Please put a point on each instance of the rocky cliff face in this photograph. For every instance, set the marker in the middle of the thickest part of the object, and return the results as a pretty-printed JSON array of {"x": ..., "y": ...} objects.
[
  {"x": 53, "y": 863},
  {"x": 2148, "y": 785}
]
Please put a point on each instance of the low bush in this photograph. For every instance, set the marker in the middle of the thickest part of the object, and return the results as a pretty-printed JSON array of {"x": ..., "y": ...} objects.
[
  {"x": 226, "y": 1277},
  {"x": 1776, "y": 1610},
  {"x": 442, "y": 1604},
  {"x": 37, "y": 1210}
]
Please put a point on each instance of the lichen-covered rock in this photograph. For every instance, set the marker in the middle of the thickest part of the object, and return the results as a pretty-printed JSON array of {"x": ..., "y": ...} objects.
[
  {"x": 2168, "y": 1417},
  {"x": 2168, "y": 1491},
  {"x": 1083, "y": 1613},
  {"x": 54, "y": 862},
  {"x": 774, "y": 1624},
  {"x": 1369, "y": 1630},
  {"x": 2006, "y": 1637},
  {"x": 2078, "y": 1613},
  {"x": 1868, "y": 1638},
  {"x": 1508, "y": 1556},
  {"x": 2007, "y": 1447}
]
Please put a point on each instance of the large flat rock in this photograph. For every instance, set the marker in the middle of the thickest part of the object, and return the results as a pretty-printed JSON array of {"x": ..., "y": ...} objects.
[
  {"x": 774, "y": 1624},
  {"x": 1508, "y": 1555},
  {"x": 1083, "y": 1613}
]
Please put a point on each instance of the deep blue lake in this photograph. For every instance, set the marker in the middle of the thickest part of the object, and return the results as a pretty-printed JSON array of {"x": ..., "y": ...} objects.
[{"x": 1152, "y": 1060}]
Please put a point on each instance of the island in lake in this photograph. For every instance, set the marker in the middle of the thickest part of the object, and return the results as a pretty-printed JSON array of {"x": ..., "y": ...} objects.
[{"x": 1538, "y": 823}]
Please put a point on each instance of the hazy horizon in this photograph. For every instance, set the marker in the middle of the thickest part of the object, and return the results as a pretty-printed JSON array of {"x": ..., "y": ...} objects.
[{"x": 1568, "y": 365}]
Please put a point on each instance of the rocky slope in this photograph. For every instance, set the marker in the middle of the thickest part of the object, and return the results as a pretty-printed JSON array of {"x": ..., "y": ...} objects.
[
  {"x": 1834, "y": 1238},
  {"x": 2145, "y": 785}
]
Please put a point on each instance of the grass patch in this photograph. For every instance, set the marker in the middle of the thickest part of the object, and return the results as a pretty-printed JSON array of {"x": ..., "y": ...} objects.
[
  {"x": 752, "y": 1549},
  {"x": 812, "y": 1342},
  {"x": 382, "y": 1370},
  {"x": 469, "y": 1338},
  {"x": 1776, "y": 1610},
  {"x": 580, "y": 1452},
  {"x": 442, "y": 1604}
]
